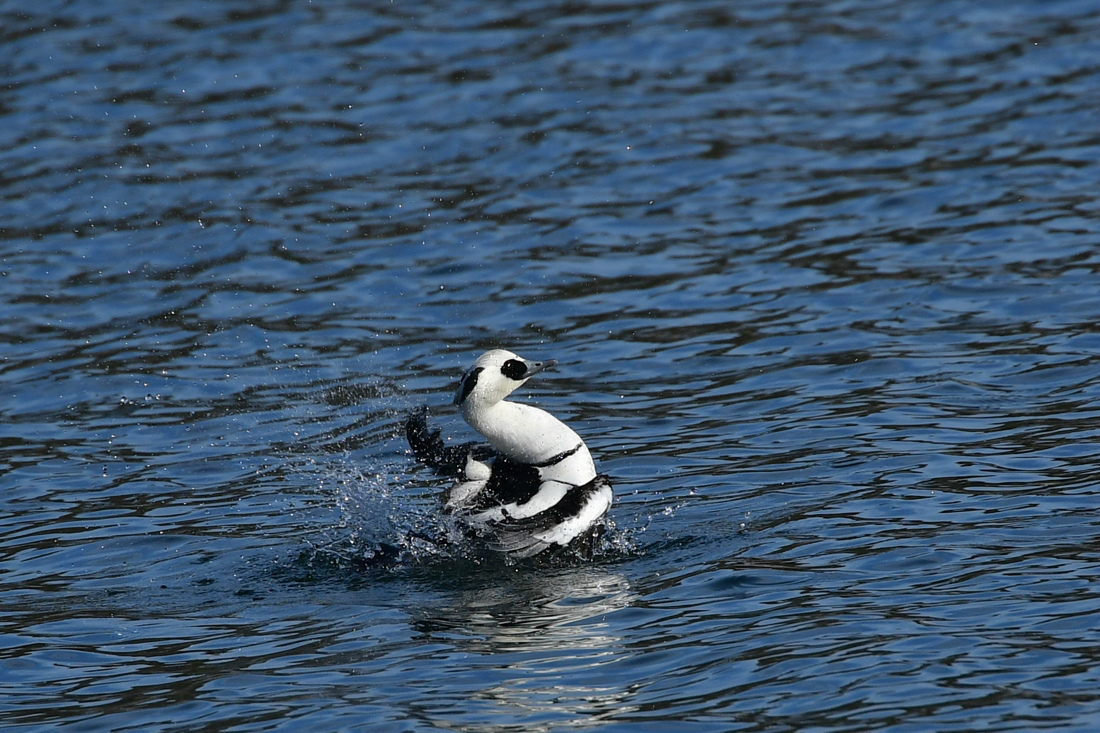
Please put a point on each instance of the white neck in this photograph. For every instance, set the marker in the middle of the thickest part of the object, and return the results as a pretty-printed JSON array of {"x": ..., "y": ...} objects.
[{"x": 521, "y": 432}]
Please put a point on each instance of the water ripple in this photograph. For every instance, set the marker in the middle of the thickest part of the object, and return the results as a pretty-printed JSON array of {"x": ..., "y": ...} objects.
[{"x": 820, "y": 279}]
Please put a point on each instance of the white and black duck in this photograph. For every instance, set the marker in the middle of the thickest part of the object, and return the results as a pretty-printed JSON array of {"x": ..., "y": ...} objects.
[{"x": 535, "y": 486}]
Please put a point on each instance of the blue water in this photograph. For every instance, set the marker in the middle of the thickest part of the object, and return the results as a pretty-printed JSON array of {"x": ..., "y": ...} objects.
[{"x": 824, "y": 284}]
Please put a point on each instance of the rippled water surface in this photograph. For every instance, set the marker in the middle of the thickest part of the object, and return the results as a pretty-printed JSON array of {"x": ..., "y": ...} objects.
[{"x": 824, "y": 283}]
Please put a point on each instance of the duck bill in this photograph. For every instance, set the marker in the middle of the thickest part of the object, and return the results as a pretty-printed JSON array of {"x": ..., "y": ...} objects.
[{"x": 534, "y": 367}]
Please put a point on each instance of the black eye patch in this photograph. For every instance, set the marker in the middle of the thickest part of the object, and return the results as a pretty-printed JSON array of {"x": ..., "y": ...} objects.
[
  {"x": 469, "y": 381},
  {"x": 514, "y": 369}
]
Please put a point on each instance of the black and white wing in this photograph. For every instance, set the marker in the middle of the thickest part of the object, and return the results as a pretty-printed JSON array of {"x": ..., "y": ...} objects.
[{"x": 579, "y": 511}]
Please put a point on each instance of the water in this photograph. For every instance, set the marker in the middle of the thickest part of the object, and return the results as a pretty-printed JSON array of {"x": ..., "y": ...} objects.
[{"x": 822, "y": 279}]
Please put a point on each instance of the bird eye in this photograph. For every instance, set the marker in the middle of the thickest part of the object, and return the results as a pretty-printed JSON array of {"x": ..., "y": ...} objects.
[{"x": 514, "y": 369}]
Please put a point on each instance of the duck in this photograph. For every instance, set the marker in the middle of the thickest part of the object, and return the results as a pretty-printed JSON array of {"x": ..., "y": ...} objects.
[{"x": 534, "y": 487}]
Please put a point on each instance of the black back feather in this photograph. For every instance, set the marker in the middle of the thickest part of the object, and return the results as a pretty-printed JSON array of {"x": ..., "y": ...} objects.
[{"x": 509, "y": 482}]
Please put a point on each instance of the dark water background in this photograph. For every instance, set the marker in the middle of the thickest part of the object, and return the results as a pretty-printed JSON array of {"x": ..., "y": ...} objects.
[{"x": 824, "y": 279}]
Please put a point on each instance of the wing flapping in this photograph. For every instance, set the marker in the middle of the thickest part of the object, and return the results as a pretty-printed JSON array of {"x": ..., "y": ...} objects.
[{"x": 430, "y": 449}]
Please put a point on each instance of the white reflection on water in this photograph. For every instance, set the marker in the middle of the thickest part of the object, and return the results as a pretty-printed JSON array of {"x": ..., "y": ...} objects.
[{"x": 547, "y": 636}]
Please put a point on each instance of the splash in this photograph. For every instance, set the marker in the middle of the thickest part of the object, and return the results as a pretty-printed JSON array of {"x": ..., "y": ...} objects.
[
  {"x": 387, "y": 519},
  {"x": 384, "y": 519}
]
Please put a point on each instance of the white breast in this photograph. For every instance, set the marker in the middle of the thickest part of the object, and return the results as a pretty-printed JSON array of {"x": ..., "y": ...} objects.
[{"x": 526, "y": 434}]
